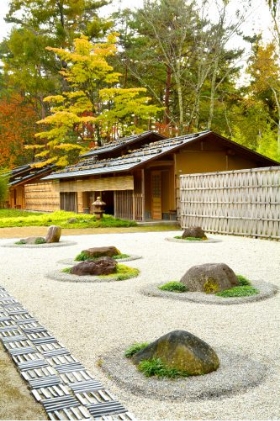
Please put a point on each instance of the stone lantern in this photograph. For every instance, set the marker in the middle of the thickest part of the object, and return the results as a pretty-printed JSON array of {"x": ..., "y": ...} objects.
[{"x": 98, "y": 207}]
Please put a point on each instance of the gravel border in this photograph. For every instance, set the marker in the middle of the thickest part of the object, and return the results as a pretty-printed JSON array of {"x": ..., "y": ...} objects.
[
  {"x": 236, "y": 373},
  {"x": 266, "y": 289},
  {"x": 178, "y": 240},
  {"x": 39, "y": 246},
  {"x": 75, "y": 262},
  {"x": 58, "y": 275}
]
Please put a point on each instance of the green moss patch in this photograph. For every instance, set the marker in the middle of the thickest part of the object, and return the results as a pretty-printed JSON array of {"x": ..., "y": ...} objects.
[
  {"x": 173, "y": 286},
  {"x": 155, "y": 367},
  {"x": 123, "y": 272},
  {"x": 134, "y": 348},
  {"x": 81, "y": 257},
  {"x": 239, "y": 291},
  {"x": 179, "y": 237}
]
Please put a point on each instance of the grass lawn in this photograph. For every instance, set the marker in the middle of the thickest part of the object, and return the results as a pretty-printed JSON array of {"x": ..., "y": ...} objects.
[{"x": 13, "y": 218}]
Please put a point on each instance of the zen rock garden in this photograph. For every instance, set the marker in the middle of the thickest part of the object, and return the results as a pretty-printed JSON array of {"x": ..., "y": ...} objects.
[
  {"x": 193, "y": 234},
  {"x": 180, "y": 351},
  {"x": 53, "y": 236},
  {"x": 96, "y": 261},
  {"x": 96, "y": 264}
]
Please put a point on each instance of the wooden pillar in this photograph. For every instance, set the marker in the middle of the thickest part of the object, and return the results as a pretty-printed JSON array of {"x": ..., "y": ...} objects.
[{"x": 143, "y": 193}]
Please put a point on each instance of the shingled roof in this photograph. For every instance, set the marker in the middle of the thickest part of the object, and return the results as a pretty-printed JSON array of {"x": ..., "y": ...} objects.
[
  {"x": 139, "y": 157},
  {"x": 26, "y": 173},
  {"x": 125, "y": 143}
]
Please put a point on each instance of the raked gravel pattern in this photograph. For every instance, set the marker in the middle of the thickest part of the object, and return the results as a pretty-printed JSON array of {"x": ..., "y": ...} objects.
[{"x": 92, "y": 319}]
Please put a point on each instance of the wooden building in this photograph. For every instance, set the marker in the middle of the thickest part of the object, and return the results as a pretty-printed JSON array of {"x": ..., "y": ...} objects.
[
  {"x": 20, "y": 178},
  {"x": 138, "y": 177}
]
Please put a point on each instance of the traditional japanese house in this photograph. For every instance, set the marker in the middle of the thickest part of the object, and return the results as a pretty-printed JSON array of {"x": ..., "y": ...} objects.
[{"x": 143, "y": 183}]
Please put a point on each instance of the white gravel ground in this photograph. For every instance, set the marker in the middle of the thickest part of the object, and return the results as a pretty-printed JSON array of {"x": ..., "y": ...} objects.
[{"x": 90, "y": 319}]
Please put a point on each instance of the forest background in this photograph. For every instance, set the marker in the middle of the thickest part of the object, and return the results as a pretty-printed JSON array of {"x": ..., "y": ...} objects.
[{"x": 80, "y": 73}]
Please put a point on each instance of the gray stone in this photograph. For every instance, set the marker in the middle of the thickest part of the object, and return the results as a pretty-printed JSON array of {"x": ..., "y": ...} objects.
[
  {"x": 183, "y": 351},
  {"x": 209, "y": 278},
  {"x": 101, "y": 266},
  {"x": 94, "y": 252},
  {"x": 33, "y": 240},
  {"x": 195, "y": 232},
  {"x": 53, "y": 234}
]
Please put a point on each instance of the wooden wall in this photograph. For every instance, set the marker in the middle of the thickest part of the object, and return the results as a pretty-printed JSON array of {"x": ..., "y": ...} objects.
[
  {"x": 42, "y": 196},
  {"x": 244, "y": 202}
]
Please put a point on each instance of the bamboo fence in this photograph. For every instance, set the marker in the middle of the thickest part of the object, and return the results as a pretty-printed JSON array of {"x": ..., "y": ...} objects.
[{"x": 242, "y": 202}]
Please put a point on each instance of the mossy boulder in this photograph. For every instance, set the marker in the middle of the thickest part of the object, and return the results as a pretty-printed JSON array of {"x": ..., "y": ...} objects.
[
  {"x": 209, "y": 278},
  {"x": 182, "y": 351},
  {"x": 95, "y": 252},
  {"x": 101, "y": 266},
  {"x": 194, "y": 232}
]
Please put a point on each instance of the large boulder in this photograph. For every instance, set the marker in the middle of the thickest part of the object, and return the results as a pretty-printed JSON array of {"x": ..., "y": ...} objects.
[
  {"x": 95, "y": 252},
  {"x": 183, "y": 351},
  {"x": 101, "y": 266},
  {"x": 195, "y": 232},
  {"x": 209, "y": 278},
  {"x": 53, "y": 234}
]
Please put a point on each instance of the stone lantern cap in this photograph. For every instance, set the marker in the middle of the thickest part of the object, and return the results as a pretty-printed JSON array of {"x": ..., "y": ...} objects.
[{"x": 98, "y": 202}]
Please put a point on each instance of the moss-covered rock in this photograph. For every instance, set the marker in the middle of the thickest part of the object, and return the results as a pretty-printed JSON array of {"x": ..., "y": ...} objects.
[
  {"x": 209, "y": 278},
  {"x": 95, "y": 252},
  {"x": 182, "y": 351},
  {"x": 194, "y": 232}
]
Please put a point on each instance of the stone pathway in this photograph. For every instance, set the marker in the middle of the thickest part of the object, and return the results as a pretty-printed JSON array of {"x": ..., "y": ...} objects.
[{"x": 56, "y": 379}]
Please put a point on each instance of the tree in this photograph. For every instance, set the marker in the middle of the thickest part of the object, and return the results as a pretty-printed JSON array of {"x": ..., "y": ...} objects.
[
  {"x": 14, "y": 137},
  {"x": 264, "y": 70},
  {"x": 181, "y": 57},
  {"x": 94, "y": 107},
  {"x": 38, "y": 24},
  {"x": 4, "y": 185}
]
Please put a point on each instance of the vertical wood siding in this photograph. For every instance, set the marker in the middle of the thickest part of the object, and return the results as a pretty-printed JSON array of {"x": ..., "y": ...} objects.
[
  {"x": 243, "y": 202},
  {"x": 128, "y": 205}
]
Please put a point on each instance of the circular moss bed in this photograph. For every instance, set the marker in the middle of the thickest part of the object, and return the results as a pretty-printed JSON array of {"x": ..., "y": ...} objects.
[
  {"x": 125, "y": 259},
  {"x": 193, "y": 241},
  {"x": 43, "y": 245},
  {"x": 266, "y": 290},
  {"x": 236, "y": 373},
  {"x": 123, "y": 273}
]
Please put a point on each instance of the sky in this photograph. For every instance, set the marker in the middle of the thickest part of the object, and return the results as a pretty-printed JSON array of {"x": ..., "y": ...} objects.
[{"x": 259, "y": 19}]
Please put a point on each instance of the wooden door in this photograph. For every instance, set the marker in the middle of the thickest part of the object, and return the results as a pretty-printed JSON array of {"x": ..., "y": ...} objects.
[{"x": 156, "y": 195}]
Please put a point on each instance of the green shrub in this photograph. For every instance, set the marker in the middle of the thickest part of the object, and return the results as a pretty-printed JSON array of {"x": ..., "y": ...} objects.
[
  {"x": 19, "y": 218},
  {"x": 155, "y": 367},
  {"x": 134, "y": 348},
  {"x": 239, "y": 291},
  {"x": 173, "y": 286}
]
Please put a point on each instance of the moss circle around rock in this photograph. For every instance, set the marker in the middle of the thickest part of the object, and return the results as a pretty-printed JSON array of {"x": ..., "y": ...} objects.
[{"x": 123, "y": 273}]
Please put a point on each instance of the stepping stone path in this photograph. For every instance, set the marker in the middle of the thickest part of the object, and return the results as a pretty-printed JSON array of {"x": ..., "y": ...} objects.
[{"x": 56, "y": 379}]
